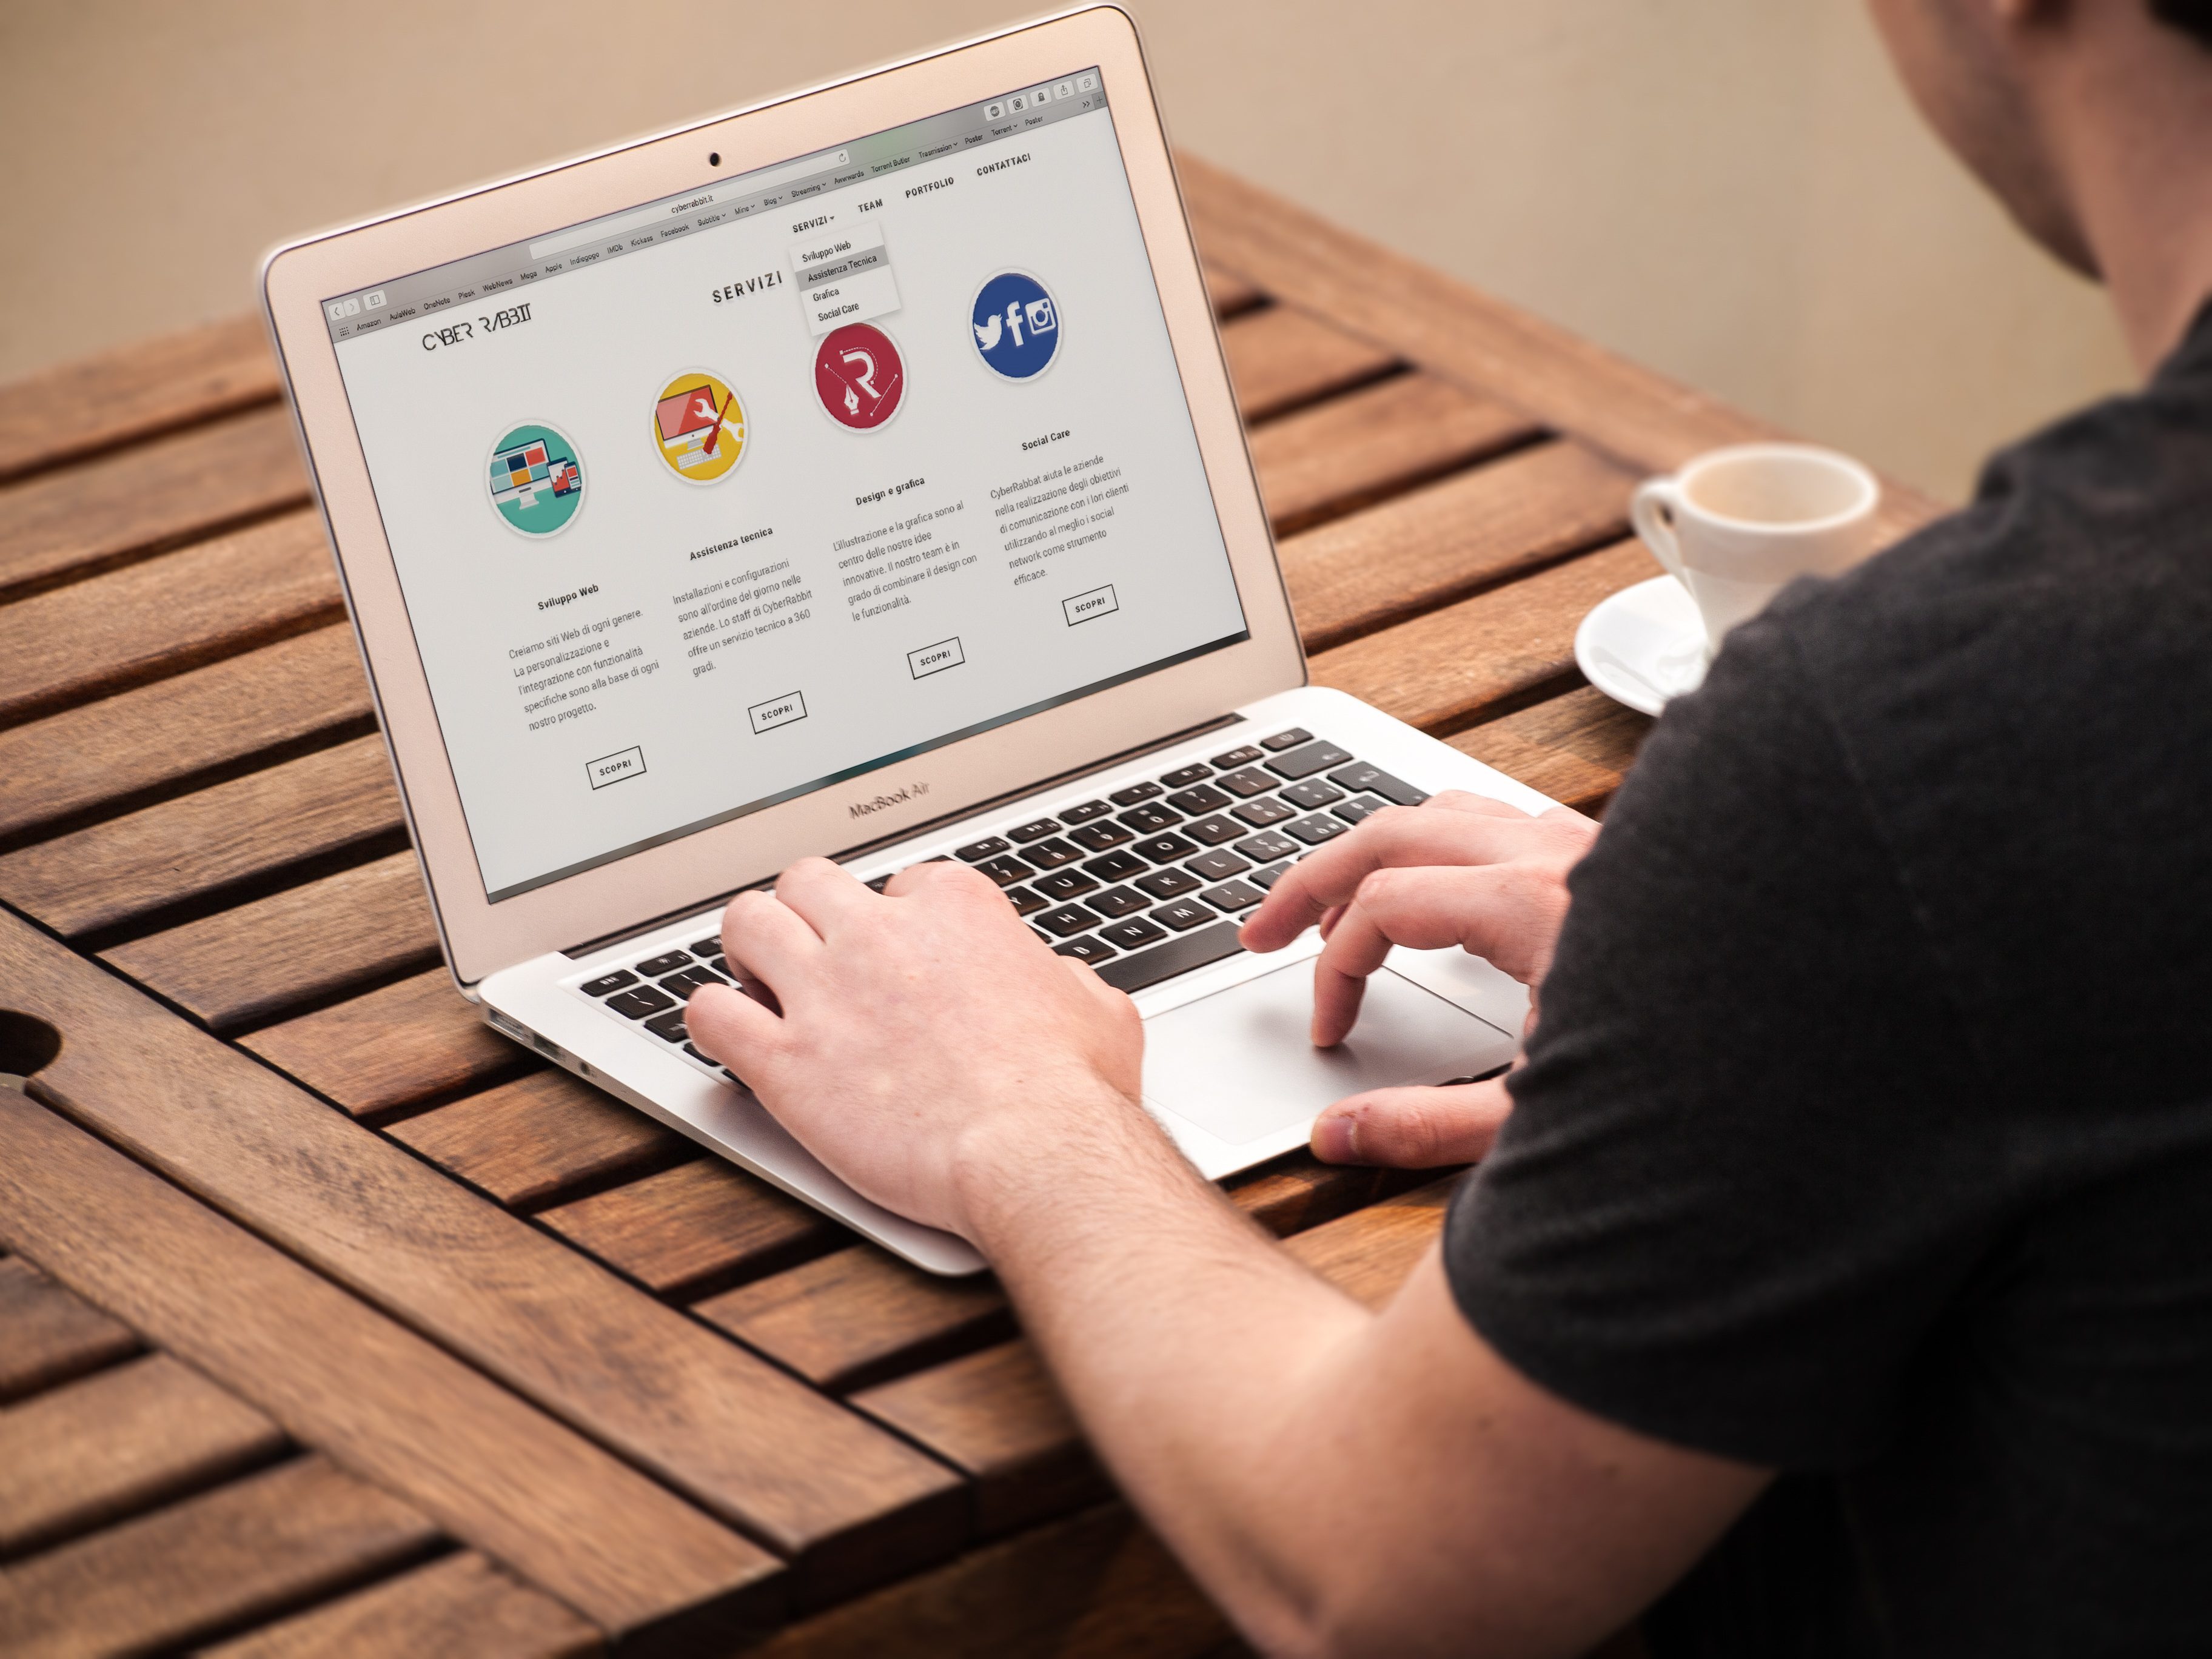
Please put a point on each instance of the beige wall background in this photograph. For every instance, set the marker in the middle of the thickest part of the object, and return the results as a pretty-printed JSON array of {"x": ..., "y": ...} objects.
[{"x": 1732, "y": 191}]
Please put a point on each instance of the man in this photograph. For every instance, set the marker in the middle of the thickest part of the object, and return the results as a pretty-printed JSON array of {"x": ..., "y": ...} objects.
[{"x": 1841, "y": 1281}]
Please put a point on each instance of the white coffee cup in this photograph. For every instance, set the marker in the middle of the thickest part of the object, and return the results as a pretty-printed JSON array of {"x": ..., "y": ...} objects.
[{"x": 1737, "y": 525}]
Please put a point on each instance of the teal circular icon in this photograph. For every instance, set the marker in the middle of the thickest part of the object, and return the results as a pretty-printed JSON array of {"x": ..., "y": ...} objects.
[{"x": 537, "y": 479}]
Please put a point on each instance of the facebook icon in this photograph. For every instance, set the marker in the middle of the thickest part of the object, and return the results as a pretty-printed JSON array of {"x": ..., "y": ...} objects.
[{"x": 1016, "y": 325}]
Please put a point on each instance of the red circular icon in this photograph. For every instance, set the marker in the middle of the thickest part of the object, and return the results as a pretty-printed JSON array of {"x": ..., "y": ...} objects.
[{"x": 860, "y": 376}]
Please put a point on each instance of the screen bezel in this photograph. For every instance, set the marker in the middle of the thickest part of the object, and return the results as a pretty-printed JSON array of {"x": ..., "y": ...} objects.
[{"x": 480, "y": 936}]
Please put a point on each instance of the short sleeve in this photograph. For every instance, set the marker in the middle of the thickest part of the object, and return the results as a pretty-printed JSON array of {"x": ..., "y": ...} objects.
[{"x": 1739, "y": 1180}]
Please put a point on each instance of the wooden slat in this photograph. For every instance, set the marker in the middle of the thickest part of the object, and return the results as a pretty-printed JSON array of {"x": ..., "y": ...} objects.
[
  {"x": 1299, "y": 1191},
  {"x": 134, "y": 391},
  {"x": 1440, "y": 543},
  {"x": 1354, "y": 451},
  {"x": 118, "y": 1442},
  {"x": 114, "y": 754},
  {"x": 1639, "y": 418},
  {"x": 846, "y": 1318},
  {"x": 542, "y": 1135},
  {"x": 416, "y": 1040},
  {"x": 998, "y": 1416},
  {"x": 749, "y": 1442},
  {"x": 693, "y": 1228},
  {"x": 1368, "y": 1254},
  {"x": 1280, "y": 358},
  {"x": 1229, "y": 292},
  {"x": 158, "y": 494},
  {"x": 1096, "y": 1585},
  {"x": 491, "y": 1470},
  {"x": 250, "y": 1549},
  {"x": 307, "y": 943},
  {"x": 47, "y": 1335},
  {"x": 1443, "y": 669},
  {"x": 460, "y": 1607},
  {"x": 166, "y": 615},
  {"x": 320, "y": 805},
  {"x": 1575, "y": 749}
]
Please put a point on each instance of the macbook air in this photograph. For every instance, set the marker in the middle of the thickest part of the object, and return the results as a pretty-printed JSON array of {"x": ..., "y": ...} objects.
[{"x": 858, "y": 475}]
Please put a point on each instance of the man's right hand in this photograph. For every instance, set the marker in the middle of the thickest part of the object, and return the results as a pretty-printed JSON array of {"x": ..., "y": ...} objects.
[{"x": 1460, "y": 869}]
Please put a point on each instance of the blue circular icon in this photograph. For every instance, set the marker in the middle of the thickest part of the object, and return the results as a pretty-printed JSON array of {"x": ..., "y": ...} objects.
[{"x": 1016, "y": 325}]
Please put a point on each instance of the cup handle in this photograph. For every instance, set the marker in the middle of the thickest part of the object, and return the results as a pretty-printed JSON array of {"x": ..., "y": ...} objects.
[{"x": 1651, "y": 511}]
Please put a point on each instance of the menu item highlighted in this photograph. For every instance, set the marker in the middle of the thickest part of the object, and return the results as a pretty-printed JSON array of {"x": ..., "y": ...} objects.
[
  {"x": 935, "y": 659},
  {"x": 613, "y": 768},
  {"x": 1098, "y": 602},
  {"x": 786, "y": 710}
]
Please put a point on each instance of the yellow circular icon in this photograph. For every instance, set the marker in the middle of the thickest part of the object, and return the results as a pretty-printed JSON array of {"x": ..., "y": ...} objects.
[{"x": 699, "y": 427}]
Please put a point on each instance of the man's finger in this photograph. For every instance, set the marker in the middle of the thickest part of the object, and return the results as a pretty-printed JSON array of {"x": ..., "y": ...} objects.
[
  {"x": 729, "y": 1026},
  {"x": 822, "y": 894},
  {"x": 766, "y": 940},
  {"x": 1413, "y": 1128},
  {"x": 1466, "y": 800}
]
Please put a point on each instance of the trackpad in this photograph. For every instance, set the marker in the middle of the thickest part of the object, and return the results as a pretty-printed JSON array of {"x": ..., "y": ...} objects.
[{"x": 1240, "y": 1065}]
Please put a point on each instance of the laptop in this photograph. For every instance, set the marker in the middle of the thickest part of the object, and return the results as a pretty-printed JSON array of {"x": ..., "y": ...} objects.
[{"x": 857, "y": 474}]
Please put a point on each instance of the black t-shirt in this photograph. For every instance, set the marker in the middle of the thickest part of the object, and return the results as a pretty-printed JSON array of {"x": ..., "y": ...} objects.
[{"x": 1867, "y": 1132}]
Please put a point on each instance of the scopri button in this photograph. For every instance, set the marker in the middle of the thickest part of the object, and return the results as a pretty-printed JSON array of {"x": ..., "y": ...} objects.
[
  {"x": 777, "y": 711},
  {"x": 1098, "y": 602},
  {"x": 613, "y": 768},
  {"x": 935, "y": 659}
]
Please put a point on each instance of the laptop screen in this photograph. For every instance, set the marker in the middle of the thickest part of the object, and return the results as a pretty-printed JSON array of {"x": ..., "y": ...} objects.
[{"x": 706, "y": 504}]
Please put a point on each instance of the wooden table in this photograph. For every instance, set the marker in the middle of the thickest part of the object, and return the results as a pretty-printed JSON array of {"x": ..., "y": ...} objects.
[{"x": 330, "y": 1322}]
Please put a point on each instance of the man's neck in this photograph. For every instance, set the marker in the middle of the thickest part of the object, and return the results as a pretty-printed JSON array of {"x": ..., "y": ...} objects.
[{"x": 2131, "y": 123}]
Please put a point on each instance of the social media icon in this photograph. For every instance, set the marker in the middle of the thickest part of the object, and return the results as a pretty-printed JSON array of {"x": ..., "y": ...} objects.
[
  {"x": 860, "y": 376},
  {"x": 1016, "y": 325}
]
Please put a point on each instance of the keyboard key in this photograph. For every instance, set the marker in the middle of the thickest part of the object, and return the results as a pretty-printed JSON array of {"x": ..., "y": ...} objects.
[
  {"x": 1118, "y": 901},
  {"x": 1183, "y": 777},
  {"x": 877, "y": 883},
  {"x": 607, "y": 984},
  {"x": 1262, "y": 813},
  {"x": 1236, "y": 757},
  {"x": 1316, "y": 827},
  {"x": 1267, "y": 846},
  {"x": 1233, "y": 896},
  {"x": 1217, "y": 865},
  {"x": 1360, "y": 775},
  {"x": 1146, "y": 818},
  {"x": 1264, "y": 878},
  {"x": 1169, "y": 884},
  {"x": 1005, "y": 871},
  {"x": 637, "y": 1005},
  {"x": 1197, "y": 801},
  {"x": 1134, "y": 794},
  {"x": 1099, "y": 836},
  {"x": 684, "y": 984},
  {"x": 1026, "y": 903},
  {"x": 669, "y": 1027},
  {"x": 1353, "y": 811},
  {"x": 1068, "y": 919},
  {"x": 1182, "y": 915},
  {"x": 707, "y": 947},
  {"x": 1165, "y": 849},
  {"x": 1303, "y": 762},
  {"x": 1085, "y": 949},
  {"x": 1250, "y": 782},
  {"x": 692, "y": 1049},
  {"x": 1116, "y": 866},
  {"x": 1064, "y": 884},
  {"x": 1216, "y": 830},
  {"x": 1083, "y": 814},
  {"x": 976, "y": 851},
  {"x": 1290, "y": 739},
  {"x": 654, "y": 967},
  {"x": 1133, "y": 935},
  {"x": 1311, "y": 793},
  {"x": 1177, "y": 956},
  {"x": 1033, "y": 829},
  {"x": 1050, "y": 854}
]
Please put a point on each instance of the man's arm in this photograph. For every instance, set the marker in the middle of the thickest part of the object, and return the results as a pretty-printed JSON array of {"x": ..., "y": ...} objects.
[{"x": 1340, "y": 1481}]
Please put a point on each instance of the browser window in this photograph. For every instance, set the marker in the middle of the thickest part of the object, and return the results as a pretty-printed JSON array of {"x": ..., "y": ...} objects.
[{"x": 705, "y": 505}]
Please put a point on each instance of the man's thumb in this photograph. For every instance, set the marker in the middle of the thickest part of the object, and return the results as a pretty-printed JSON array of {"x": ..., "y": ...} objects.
[{"x": 1413, "y": 1128}]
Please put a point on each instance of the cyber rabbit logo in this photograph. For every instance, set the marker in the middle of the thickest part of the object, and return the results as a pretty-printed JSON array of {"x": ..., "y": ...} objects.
[{"x": 1016, "y": 325}]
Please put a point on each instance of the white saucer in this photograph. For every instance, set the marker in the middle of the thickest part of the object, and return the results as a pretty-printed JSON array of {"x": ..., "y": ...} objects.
[{"x": 1644, "y": 645}]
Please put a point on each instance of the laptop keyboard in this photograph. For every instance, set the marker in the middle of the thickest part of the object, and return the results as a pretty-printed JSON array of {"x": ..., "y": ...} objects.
[{"x": 1144, "y": 882}]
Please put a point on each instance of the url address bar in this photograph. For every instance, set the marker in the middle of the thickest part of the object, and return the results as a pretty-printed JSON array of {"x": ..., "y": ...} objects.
[{"x": 599, "y": 230}]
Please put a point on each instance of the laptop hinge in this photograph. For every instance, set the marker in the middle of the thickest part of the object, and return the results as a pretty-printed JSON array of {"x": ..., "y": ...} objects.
[{"x": 845, "y": 855}]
